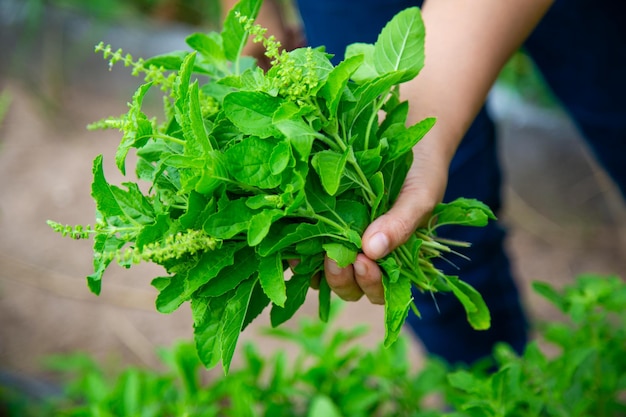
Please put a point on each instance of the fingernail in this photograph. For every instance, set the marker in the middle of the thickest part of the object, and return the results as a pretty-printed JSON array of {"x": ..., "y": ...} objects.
[
  {"x": 359, "y": 268},
  {"x": 378, "y": 245},
  {"x": 333, "y": 268}
]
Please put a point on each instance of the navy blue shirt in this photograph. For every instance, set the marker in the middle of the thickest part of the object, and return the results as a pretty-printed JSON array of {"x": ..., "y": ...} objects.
[{"x": 336, "y": 24}]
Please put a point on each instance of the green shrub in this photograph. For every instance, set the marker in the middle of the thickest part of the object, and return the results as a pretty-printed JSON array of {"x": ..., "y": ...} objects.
[{"x": 332, "y": 375}]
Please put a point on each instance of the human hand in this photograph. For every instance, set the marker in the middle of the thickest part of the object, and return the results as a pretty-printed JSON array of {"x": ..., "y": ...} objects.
[{"x": 422, "y": 190}]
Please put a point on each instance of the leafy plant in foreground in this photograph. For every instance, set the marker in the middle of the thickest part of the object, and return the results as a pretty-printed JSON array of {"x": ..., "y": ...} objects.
[
  {"x": 330, "y": 374},
  {"x": 587, "y": 377},
  {"x": 250, "y": 170}
]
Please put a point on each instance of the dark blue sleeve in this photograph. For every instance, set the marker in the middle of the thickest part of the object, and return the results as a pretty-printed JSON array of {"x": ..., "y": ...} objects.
[{"x": 336, "y": 24}]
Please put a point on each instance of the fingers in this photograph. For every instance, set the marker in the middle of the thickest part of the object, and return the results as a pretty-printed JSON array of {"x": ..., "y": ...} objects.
[
  {"x": 423, "y": 188},
  {"x": 363, "y": 277}
]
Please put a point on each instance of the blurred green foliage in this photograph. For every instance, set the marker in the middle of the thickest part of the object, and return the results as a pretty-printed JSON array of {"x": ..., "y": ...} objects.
[{"x": 327, "y": 373}]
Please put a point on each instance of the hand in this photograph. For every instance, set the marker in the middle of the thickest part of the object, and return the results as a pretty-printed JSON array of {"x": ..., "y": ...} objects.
[{"x": 423, "y": 188}]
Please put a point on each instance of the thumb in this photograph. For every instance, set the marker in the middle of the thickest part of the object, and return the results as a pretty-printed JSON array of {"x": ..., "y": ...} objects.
[
  {"x": 394, "y": 228},
  {"x": 422, "y": 190}
]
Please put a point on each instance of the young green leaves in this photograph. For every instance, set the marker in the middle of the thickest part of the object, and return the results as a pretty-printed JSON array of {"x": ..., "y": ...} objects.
[{"x": 249, "y": 172}]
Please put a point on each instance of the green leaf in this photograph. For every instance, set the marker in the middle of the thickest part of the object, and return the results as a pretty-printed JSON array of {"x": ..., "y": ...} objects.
[
  {"x": 342, "y": 254},
  {"x": 252, "y": 112},
  {"x": 135, "y": 206},
  {"x": 322, "y": 406},
  {"x": 402, "y": 139},
  {"x": 245, "y": 265},
  {"x": 137, "y": 128},
  {"x": 232, "y": 219},
  {"x": 211, "y": 48},
  {"x": 368, "y": 92},
  {"x": 272, "y": 278},
  {"x": 330, "y": 166},
  {"x": 477, "y": 311},
  {"x": 354, "y": 214},
  {"x": 548, "y": 292},
  {"x": 233, "y": 320},
  {"x": 103, "y": 246},
  {"x": 463, "y": 211},
  {"x": 258, "y": 301},
  {"x": 209, "y": 313},
  {"x": 394, "y": 174},
  {"x": 299, "y": 135},
  {"x": 465, "y": 381},
  {"x": 101, "y": 192},
  {"x": 182, "y": 286},
  {"x": 249, "y": 162},
  {"x": 324, "y": 299},
  {"x": 234, "y": 37},
  {"x": 400, "y": 45},
  {"x": 367, "y": 70},
  {"x": 154, "y": 232},
  {"x": 169, "y": 61},
  {"x": 283, "y": 236},
  {"x": 195, "y": 130},
  {"x": 297, "y": 288},
  {"x": 260, "y": 225},
  {"x": 398, "y": 300},
  {"x": 336, "y": 82}
]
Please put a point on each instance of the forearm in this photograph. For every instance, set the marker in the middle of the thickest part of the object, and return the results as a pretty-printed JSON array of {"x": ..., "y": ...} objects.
[{"x": 467, "y": 44}]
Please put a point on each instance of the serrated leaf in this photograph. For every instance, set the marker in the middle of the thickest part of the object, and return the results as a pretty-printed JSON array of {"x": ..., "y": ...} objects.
[
  {"x": 299, "y": 135},
  {"x": 368, "y": 92},
  {"x": 258, "y": 301},
  {"x": 137, "y": 128}
]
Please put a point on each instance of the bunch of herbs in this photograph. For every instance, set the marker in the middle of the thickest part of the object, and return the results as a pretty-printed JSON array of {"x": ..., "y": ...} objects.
[{"x": 248, "y": 171}]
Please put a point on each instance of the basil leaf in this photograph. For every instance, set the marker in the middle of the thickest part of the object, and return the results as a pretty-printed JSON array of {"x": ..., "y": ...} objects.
[
  {"x": 272, "y": 278},
  {"x": 296, "y": 291},
  {"x": 400, "y": 45}
]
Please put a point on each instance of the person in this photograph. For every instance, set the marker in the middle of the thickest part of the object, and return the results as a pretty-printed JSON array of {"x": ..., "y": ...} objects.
[{"x": 580, "y": 48}]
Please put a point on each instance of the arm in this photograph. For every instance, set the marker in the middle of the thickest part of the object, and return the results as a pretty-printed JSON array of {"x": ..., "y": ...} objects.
[{"x": 467, "y": 43}]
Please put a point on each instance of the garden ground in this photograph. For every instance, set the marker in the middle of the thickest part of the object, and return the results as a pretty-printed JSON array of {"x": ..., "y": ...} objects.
[{"x": 564, "y": 215}]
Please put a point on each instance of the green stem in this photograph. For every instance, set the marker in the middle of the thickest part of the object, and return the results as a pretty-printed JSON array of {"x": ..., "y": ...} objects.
[{"x": 164, "y": 137}]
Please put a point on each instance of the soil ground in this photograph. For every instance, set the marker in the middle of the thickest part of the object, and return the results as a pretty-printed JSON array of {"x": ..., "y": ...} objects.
[{"x": 564, "y": 216}]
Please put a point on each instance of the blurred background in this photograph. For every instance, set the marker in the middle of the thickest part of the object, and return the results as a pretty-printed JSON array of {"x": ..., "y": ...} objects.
[{"x": 564, "y": 215}]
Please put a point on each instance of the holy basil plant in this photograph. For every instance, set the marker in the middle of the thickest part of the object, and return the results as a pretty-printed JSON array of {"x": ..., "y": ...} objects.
[{"x": 248, "y": 170}]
